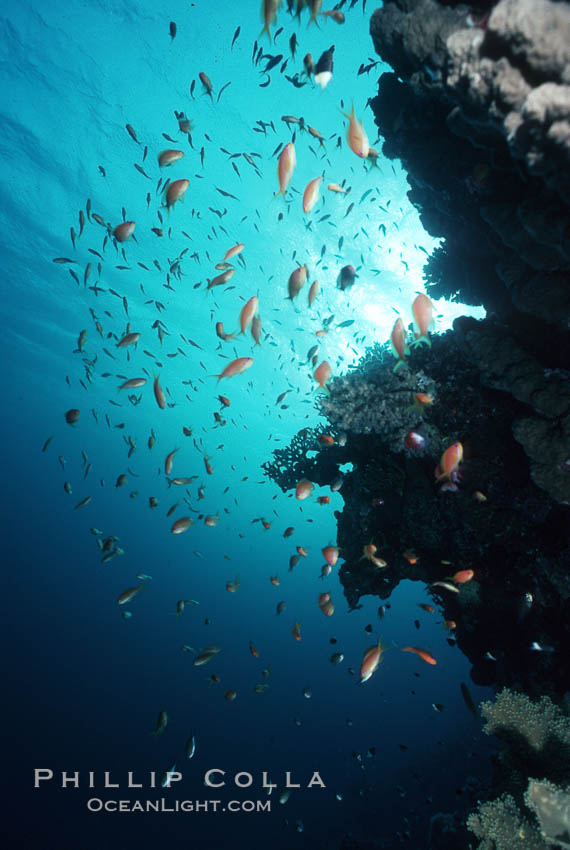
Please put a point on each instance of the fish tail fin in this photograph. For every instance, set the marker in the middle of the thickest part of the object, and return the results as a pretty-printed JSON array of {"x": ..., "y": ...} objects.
[
  {"x": 313, "y": 20},
  {"x": 401, "y": 362},
  {"x": 267, "y": 30}
]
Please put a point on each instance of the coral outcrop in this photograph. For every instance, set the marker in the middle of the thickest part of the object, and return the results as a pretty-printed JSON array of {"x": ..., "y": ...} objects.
[{"x": 478, "y": 110}]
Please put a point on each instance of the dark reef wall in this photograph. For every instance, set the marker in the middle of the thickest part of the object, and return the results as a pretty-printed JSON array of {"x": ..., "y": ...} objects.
[{"x": 478, "y": 110}]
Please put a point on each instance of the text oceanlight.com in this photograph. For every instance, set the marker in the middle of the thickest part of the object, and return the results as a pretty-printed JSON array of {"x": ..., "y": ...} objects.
[{"x": 95, "y": 804}]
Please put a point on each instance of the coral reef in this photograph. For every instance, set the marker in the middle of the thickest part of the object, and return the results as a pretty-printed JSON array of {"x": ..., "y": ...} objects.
[
  {"x": 501, "y": 826},
  {"x": 481, "y": 120},
  {"x": 551, "y": 805},
  {"x": 516, "y": 539},
  {"x": 537, "y": 734}
]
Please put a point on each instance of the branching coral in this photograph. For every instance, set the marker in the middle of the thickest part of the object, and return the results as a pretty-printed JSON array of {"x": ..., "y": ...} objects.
[
  {"x": 551, "y": 805},
  {"x": 537, "y": 733},
  {"x": 501, "y": 826},
  {"x": 538, "y": 738},
  {"x": 374, "y": 399}
]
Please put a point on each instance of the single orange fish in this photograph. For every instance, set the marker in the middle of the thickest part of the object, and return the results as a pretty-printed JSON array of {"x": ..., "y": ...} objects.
[
  {"x": 236, "y": 367},
  {"x": 371, "y": 660},
  {"x": 462, "y": 576},
  {"x": 296, "y": 631},
  {"x": 422, "y": 308},
  {"x": 322, "y": 374},
  {"x": 398, "y": 342},
  {"x": 424, "y": 654},
  {"x": 253, "y": 650},
  {"x": 330, "y": 554},
  {"x": 450, "y": 460},
  {"x": 303, "y": 489}
]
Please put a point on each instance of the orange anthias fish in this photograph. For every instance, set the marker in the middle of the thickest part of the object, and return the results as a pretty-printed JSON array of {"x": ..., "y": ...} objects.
[
  {"x": 236, "y": 367},
  {"x": 330, "y": 554},
  {"x": 222, "y": 278},
  {"x": 285, "y": 167},
  {"x": 296, "y": 631},
  {"x": 124, "y": 231},
  {"x": 323, "y": 500},
  {"x": 423, "y": 654},
  {"x": 325, "y": 604},
  {"x": 429, "y": 608},
  {"x": 176, "y": 192},
  {"x": 421, "y": 399},
  {"x": 356, "y": 136},
  {"x": 253, "y": 650},
  {"x": 296, "y": 282},
  {"x": 450, "y": 460},
  {"x": 232, "y": 586},
  {"x": 159, "y": 393},
  {"x": 313, "y": 291},
  {"x": 462, "y": 576},
  {"x": 169, "y": 157},
  {"x": 322, "y": 374},
  {"x": 256, "y": 329},
  {"x": 334, "y": 187},
  {"x": 274, "y": 580},
  {"x": 207, "y": 83},
  {"x": 371, "y": 661},
  {"x": 248, "y": 311},
  {"x": 422, "y": 308},
  {"x": 303, "y": 489},
  {"x": 398, "y": 341},
  {"x": 311, "y": 194},
  {"x": 325, "y": 440},
  {"x": 233, "y": 252}
]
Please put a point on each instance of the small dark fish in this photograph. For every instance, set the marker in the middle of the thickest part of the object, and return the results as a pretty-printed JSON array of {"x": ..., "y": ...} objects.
[
  {"x": 226, "y": 194},
  {"x": 293, "y": 45},
  {"x": 132, "y": 133},
  {"x": 192, "y": 87},
  {"x": 222, "y": 89},
  {"x": 273, "y": 61},
  {"x": 141, "y": 170},
  {"x": 234, "y": 39},
  {"x": 346, "y": 324},
  {"x": 296, "y": 81},
  {"x": 468, "y": 699},
  {"x": 172, "y": 30},
  {"x": 266, "y": 83}
]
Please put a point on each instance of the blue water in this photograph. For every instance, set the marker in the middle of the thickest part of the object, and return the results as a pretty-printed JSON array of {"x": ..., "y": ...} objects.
[{"x": 83, "y": 684}]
